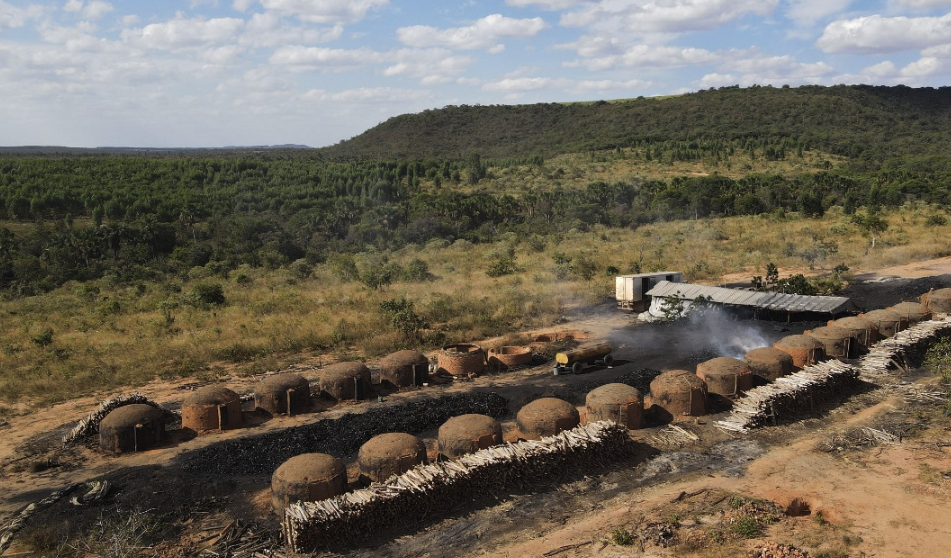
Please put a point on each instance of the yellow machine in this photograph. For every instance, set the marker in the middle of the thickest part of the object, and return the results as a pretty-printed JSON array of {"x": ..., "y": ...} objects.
[{"x": 576, "y": 359}]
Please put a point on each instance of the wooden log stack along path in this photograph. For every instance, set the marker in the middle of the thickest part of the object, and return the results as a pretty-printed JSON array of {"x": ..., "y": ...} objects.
[
  {"x": 309, "y": 526},
  {"x": 800, "y": 392}
]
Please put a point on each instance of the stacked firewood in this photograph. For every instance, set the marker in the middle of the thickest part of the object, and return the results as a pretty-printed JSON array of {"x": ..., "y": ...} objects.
[
  {"x": 790, "y": 395},
  {"x": 90, "y": 425},
  {"x": 440, "y": 486},
  {"x": 903, "y": 351}
]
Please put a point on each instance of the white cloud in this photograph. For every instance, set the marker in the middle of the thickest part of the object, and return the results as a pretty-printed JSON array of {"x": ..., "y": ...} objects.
[
  {"x": 430, "y": 66},
  {"x": 751, "y": 67},
  {"x": 884, "y": 69},
  {"x": 644, "y": 17},
  {"x": 551, "y": 5},
  {"x": 610, "y": 85},
  {"x": 485, "y": 33},
  {"x": 322, "y": 11},
  {"x": 924, "y": 4},
  {"x": 269, "y": 30},
  {"x": 648, "y": 56},
  {"x": 299, "y": 58},
  {"x": 90, "y": 11},
  {"x": 520, "y": 84},
  {"x": 807, "y": 12},
  {"x": 181, "y": 33},
  {"x": 924, "y": 67},
  {"x": 12, "y": 16},
  {"x": 877, "y": 34},
  {"x": 365, "y": 94}
]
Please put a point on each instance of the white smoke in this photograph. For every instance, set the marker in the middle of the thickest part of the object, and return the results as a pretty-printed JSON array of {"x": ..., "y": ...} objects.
[{"x": 729, "y": 337}]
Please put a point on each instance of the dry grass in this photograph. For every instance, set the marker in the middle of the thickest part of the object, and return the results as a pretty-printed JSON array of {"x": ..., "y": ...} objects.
[{"x": 125, "y": 336}]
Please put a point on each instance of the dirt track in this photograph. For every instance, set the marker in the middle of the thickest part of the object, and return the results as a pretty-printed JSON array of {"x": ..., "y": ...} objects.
[{"x": 879, "y": 497}]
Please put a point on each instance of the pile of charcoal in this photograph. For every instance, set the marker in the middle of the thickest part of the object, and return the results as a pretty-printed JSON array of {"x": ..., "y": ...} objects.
[{"x": 340, "y": 437}]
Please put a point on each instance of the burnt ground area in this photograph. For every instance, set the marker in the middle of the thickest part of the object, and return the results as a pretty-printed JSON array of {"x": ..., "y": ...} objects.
[
  {"x": 874, "y": 294},
  {"x": 222, "y": 480}
]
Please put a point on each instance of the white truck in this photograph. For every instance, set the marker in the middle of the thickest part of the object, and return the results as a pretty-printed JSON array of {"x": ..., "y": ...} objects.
[{"x": 629, "y": 290}]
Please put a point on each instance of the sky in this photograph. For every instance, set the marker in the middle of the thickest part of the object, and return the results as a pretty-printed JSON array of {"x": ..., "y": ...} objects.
[{"x": 215, "y": 73}]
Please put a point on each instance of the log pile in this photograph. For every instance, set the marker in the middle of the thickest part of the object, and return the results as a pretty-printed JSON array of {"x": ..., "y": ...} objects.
[
  {"x": 443, "y": 485},
  {"x": 90, "y": 425},
  {"x": 794, "y": 394},
  {"x": 903, "y": 351},
  {"x": 790, "y": 395}
]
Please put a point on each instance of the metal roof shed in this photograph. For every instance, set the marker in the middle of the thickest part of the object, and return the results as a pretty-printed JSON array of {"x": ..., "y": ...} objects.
[{"x": 756, "y": 300}]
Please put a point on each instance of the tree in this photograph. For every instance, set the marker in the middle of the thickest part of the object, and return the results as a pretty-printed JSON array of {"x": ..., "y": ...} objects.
[{"x": 871, "y": 224}]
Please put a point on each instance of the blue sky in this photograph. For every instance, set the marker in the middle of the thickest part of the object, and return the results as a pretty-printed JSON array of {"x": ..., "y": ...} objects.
[{"x": 209, "y": 73}]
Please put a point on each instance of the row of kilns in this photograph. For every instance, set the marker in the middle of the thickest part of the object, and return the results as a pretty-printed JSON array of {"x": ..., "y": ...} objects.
[
  {"x": 722, "y": 379},
  {"x": 316, "y": 476},
  {"x": 139, "y": 427}
]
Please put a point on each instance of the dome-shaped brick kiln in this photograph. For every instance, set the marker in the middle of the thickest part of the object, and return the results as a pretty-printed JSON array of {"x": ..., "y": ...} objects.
[
  {"x": 390, "y": 454},
  {"x": 404, "y": 368},
  {"x": 546, "y": 417},
  {"x": 211, "y": 408},
  {"x": 468, "y": 434},
  {"x": 769, "y": 363},
  {"x": 307, "y": 478},
  {"x": 461, "y": 360},
  {"x": 887, "y": 321},
  {"x": 620, "y": 403},
  {"x": 284, "y": 393},
  {"x": 725, "y": 376},
  {"x": 912, "y": 312},
  {"x": 837, "y": 342},
  {"x": 803, "y": 349},
  {"x": 938, "y": 301},
  {"x": 680, "y": 393},
  {"x": 510, "y": 356},
  {"x": 864, "y": 331},
  {"x": 130, "y": 428},
  {"x": 345, "y": 381}
]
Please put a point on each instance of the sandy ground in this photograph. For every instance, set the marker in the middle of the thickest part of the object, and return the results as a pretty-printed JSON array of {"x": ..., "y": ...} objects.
[{"x": 889, "y": 500}]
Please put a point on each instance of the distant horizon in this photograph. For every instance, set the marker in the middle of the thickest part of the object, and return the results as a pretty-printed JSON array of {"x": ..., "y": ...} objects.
[{"x": 208, "y": 73}]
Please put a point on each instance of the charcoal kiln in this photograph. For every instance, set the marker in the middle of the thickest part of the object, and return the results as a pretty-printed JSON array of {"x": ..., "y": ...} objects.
[
  {"x": 618, "y": 402},
  {"x": 680, "y": 393},
  {"x": 345, "y": 381},
  {"x": 804, "y": 350},
  {"x": 837, "y": 342},
  {"x": 308, "y": 477},
  {"x": 546, "y": 417},
  {"x": 211, "y": 408},
  {"x": 725, "y": 376},
  {"x": 938, "y": 301},
  {"x": 864, "y": 331},
  {"x": 404, "y": 368},
  {"x": 510, "y": 356},
  {"x": 468, "y": 434},
  {"x": 132, "y": 428},
  {"x": 462, "y": 359},
  {"x": 389, "y": 454},
  {"x": 769, "y": 363},
  {"x": 912, "y": 312},
  {"x": 887, "y": 321},
  {"x": 285, "y": 394}
]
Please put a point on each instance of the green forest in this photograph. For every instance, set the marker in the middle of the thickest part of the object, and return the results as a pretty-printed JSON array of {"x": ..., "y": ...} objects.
[{"x": 471, "y": 173}]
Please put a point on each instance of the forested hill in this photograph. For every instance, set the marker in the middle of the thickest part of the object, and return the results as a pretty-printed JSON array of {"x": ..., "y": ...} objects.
[{"x": 865, "y": 123}]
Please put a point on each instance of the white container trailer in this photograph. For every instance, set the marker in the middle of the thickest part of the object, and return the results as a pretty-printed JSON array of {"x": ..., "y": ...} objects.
[{"x": 630, "y": 290}]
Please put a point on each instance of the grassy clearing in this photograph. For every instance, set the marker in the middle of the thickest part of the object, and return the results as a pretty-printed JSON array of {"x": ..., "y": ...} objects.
[{"x": 96, "y": 337}]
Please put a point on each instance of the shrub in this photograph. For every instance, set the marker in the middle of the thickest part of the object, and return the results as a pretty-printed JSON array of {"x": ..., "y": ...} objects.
[
  {"x": 936, "y": 221},
  {"x": 622, "y": 537},
  {"x": 746, "y": 527},
  {"x": 207, "y": 294},
  {"x": 502, "y": 266}
]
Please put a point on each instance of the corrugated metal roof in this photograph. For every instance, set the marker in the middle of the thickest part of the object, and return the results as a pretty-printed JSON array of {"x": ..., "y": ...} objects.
[{"x": 758, "y": 299}]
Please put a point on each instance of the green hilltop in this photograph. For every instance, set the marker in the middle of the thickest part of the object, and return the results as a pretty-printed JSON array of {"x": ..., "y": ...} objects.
[{"x": 865, "y": 123}]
